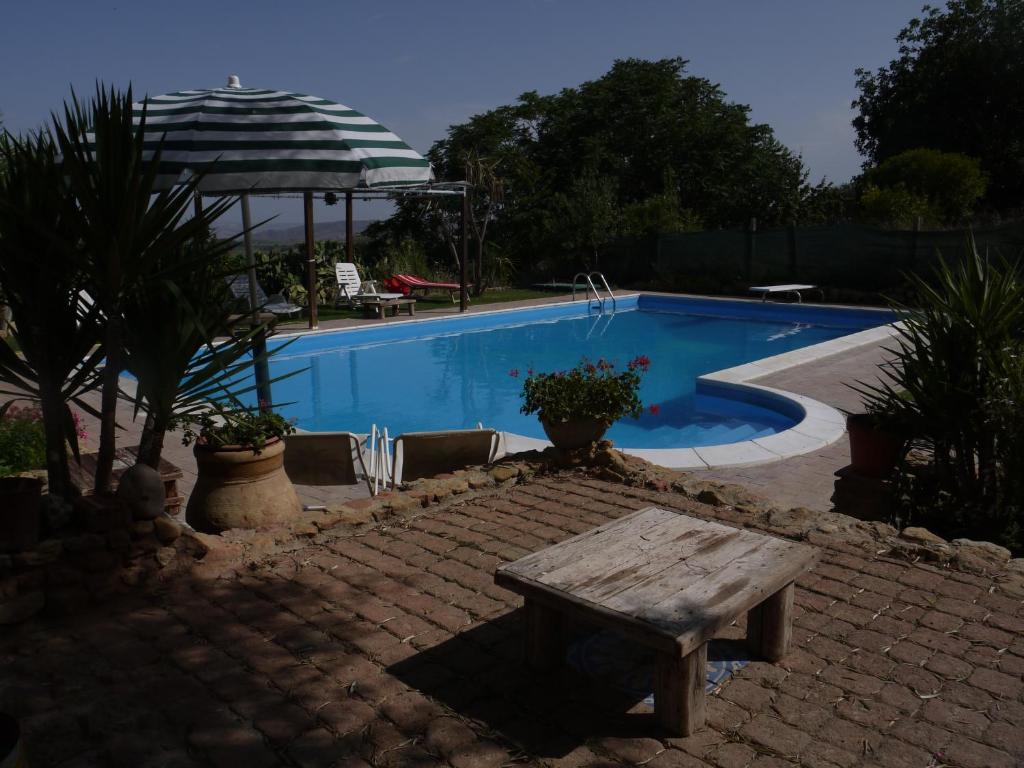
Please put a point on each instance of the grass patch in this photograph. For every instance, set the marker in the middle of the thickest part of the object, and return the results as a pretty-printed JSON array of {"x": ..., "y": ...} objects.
[{"x": 436, "y": 300}]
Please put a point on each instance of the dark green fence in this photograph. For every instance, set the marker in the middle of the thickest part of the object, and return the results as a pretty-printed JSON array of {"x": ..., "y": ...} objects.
[{"x": 844, "y": 258}]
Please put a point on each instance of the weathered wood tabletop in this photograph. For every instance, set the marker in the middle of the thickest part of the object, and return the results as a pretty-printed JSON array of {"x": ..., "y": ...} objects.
[{"x": 667, "y": 580}]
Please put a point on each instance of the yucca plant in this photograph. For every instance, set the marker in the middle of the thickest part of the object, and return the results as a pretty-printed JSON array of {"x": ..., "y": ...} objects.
[
  {"x": 43, "y": 273},
  {"x": 124, "y": 225},
  {"x": 952, "y": 359},
  {"x": 171, "y": 320}
]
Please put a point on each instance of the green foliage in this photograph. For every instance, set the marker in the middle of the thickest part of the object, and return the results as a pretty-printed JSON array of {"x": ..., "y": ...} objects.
[
  {"x": 895, "y": 207},
  {"x": 953, "y": 382},
  {"x": 44, "y": 273},
  {"x": 942, "y": 188},
  {"x": 827, "y": 203},
  {"x": 22, "y": 441},
  {"x": 123, "y": 225},
  {"x": 954, "y": 87},
  {"x": 588, "y": 391},
  {"x": 645, "y": 140},
  {"x": 660, "y": 214},
  {"x": 587, "y": 215},
  {"x": 224, "y": 426}
]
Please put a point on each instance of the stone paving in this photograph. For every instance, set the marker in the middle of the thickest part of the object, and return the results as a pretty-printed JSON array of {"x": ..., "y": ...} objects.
[
  {"x": 391, "y": 646},
  {"x": 809, "y": 480}
]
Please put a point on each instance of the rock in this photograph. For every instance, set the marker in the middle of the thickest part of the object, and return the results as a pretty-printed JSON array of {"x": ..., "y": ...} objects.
[
  {"x": 478, "y": 480},
  {"x": 119, "y": 540},
  {"x": 56, "y": 512},
  {"x": 711, "y": 497},
  {"x": 97, "y": 560},
  {"x": 504, "y": 472},
  {"x": 167, "y": 530},
  {"x": 456, "y": 485},
  {"x": 141, "y": 528},
  {"x": 17, "y": 609},
  {"x": 401, "y": 502},
  {"x": 46, "y": 552},
  {"x": 923, "y": 536},
  {"x": 209, "y": 548},
  {"x": 102, "y": 513},
  {"x": 982, "y": 549},
  {"x": 1016, "y": 565},
  {"x": 86, "y": 542},
  {"x": 143, "y": 491},
  {"x": 165, "y": 556}
]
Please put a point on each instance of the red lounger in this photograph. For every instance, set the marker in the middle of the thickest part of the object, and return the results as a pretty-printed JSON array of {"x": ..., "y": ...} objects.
[{"x": 409, "y": 283}]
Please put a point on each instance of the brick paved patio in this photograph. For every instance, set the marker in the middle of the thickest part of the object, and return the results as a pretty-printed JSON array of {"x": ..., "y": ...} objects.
[{"x": 391, "y": 646}]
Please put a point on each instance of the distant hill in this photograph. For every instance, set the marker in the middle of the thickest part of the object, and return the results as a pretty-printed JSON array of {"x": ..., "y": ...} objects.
[{"x": 289, "y": 234}]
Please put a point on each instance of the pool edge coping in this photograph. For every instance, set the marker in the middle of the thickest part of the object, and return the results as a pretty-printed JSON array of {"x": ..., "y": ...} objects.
[{"x": 820, "y": 426}]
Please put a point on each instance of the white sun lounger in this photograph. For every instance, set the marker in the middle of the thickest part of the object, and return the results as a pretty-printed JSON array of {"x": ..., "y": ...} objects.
[{"x": 352, "y": 290}]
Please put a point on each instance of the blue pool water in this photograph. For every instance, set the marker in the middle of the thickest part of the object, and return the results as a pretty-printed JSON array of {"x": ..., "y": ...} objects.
[{"x": 453, "y": 373}]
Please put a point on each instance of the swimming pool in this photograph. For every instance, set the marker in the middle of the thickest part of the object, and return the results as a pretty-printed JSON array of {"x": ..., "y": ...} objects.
[{"x": 454, "y": 372}]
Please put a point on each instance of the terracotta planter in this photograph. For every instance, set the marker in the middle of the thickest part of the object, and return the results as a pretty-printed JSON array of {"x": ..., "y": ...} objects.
[
  {"x": 239, "y": 488},
  {"x": 874, "y": 451},
  {"x": 569, "y": 435},
  {"x": 19, "y": 512}
]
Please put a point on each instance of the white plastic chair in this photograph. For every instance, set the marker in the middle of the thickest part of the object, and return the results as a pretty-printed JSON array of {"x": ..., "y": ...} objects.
[
  {"x": 426, "y": 454},
  {"x": 325, "y": 458},
  {"x": 352, "y": 290}
]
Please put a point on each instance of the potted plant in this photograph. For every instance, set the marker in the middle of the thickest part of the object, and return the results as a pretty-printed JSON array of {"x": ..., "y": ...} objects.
[
  {"x": 878, "y": 441},
  {"x": 241, "y": 483},
  {"x": 576, "y": 407}
]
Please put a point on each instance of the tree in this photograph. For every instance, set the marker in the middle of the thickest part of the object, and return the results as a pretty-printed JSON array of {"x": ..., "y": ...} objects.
[
  {"x": 942, "y": 188},
  {"x": 955, "y": 87},
  {"x": 587, "y": 215},
  {"x": 640, "y": 124}
]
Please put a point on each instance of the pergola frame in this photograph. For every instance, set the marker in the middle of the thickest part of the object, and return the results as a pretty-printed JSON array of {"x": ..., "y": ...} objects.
[{"x": 440, "y": 189}]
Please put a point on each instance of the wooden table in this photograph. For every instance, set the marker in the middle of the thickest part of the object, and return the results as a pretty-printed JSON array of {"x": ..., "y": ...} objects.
[
  {"x": 377, "y": 307},
  {"x": 669, "y": 582}
]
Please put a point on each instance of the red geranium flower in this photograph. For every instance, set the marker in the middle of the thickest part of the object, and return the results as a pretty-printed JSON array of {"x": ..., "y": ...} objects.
[
  {"x": 514, "y": 373},
  {"x": 654, "y": 409}
]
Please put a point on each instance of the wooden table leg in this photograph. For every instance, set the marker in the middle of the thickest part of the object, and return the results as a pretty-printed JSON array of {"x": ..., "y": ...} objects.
[
  {"x": 545, "y": 637},
  {"x": 770, "y": 625},
  {"x": 679, "y": 700}
]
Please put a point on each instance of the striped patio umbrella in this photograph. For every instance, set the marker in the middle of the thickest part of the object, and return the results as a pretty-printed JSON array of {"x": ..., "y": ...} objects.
[
  {"x": 253, "y": 140},
  {"x": 258, "y": 140}
]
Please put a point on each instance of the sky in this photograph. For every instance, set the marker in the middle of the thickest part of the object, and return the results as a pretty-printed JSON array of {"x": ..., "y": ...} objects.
[{"x": 418, "y": 66}]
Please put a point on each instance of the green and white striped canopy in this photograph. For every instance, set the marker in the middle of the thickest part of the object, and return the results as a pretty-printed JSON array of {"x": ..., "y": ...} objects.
[{"x": 256, "y": 140}]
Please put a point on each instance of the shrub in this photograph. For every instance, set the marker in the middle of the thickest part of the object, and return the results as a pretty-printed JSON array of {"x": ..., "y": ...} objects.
[
  {"x": 222, "y": 426},
  {"x": 588, "y": 391},
  {"x": 22, "y": 440},
  {"x": 957, "y": 382}
]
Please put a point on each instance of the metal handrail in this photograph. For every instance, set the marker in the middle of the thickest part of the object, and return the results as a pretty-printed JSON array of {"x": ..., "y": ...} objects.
[
  {"x": 591, "y": 287},
  {"x": 607, "y": 287}
]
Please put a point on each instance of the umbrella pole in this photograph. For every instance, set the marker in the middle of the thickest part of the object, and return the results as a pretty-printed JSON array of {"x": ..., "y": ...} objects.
[
  {"x": 463, "y": 232},
  {"x": 261, "y": 368},
  {"x": 350, "y": 246},
  {"x": 307, "y": 210}
]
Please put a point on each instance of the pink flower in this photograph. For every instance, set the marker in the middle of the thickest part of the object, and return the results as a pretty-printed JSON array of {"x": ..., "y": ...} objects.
[
  {"x": 590, "y": 368},
  {"x": 604, "y": 365},
  {"x": 529, "y": 371},
  {"x": 654, "y": 409},
  {"x": 514, "y": 373},
  {"x": 643, "y": 362}
]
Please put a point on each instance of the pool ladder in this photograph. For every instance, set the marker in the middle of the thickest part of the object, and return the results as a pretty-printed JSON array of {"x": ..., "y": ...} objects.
[{"x": 591, "y": 287}]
